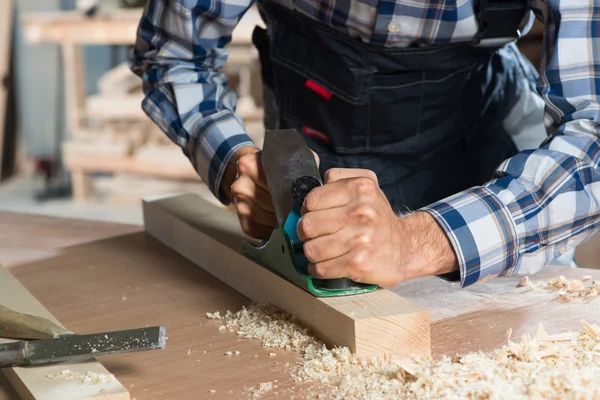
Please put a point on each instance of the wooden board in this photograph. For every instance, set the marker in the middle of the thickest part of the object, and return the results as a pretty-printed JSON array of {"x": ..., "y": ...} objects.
[
  {"x": 32, "y": 382},
  {"x": 130, "y": 165},
  {"x": 373, "y": 324}
]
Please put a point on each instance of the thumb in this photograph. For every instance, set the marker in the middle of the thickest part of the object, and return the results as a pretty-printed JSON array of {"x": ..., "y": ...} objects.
[{"x": 317, "y": 159}]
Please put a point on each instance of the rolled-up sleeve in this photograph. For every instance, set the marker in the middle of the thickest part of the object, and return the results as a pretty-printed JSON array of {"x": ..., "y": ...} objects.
[
  {"x": 543, "y": 202},
  {"x": 178, "y": 53}
]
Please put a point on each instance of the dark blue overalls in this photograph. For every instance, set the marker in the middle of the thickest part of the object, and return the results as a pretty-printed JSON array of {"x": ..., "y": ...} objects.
[{"x": 429, "y": 121}]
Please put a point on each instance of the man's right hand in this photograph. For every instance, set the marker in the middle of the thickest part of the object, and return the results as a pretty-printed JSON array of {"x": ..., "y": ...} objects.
[{"x": 250, "y": 193}]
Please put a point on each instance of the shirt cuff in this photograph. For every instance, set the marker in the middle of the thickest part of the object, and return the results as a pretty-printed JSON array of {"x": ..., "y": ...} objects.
[
  {"x": 213, "y": 146},
  {"x": 482, "y": 232}
]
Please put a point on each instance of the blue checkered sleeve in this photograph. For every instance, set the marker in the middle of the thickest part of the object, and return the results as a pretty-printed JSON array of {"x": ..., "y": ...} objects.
[
  {"x": 178, "y": 53},
  {"x": 542, "y": 202}
]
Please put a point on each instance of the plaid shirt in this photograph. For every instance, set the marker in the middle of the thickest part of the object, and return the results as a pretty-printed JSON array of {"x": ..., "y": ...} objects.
[{"x": 539, "y": 204}]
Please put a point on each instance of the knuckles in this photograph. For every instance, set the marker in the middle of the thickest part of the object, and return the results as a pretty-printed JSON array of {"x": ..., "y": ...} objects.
[
  {"x": 331, "y": 175},
  {"x": 310, "y": 252},
  {"x": 364, "y": 214},
  {"x": 318, "y": 271},
  {"x": 365, "y": 186},
  {"x": 305, "y": 228},
  {"x": 311, "y": 200},
  {"x": 247, "y": 164}
]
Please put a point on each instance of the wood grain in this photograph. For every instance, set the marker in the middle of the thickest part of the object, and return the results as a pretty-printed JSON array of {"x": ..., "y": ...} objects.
[
  {"x": 375, "y": 324},
  {"x": 32, "y": 382},
  {"x": 98, "y": 263},
  {"x": 25, "y": 238}
]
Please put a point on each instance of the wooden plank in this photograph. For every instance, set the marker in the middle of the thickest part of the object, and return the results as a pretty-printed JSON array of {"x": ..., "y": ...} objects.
[
  {"x": 73, "y": 65},
  {"x": 374, "y": 324},
  {"x": 130, "y": 165},
  {"x": 32, "y": 382},
  {"x": 83, "y": 189},
  {"x": 6, "y": 25}
]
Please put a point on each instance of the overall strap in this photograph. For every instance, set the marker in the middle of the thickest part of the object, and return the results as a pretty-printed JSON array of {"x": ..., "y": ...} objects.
[{"x": 500, "y": 21}]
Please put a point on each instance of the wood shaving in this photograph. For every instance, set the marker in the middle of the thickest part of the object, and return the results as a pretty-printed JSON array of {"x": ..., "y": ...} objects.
[
  {"x": 549, "y": 366},
  {"x": 568, "y": 290},
  {"x": 215, "y": 315},
  {"x": 90, "y": 377}
]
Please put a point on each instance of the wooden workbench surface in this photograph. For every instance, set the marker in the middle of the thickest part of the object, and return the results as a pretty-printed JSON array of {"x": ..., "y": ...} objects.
[{"x": 96, "y": 276}]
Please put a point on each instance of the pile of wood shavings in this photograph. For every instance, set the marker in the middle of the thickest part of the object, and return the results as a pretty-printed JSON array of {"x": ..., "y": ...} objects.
[
  {"x": 568, "y": 289},
  {"x": 563, "y": 366},
  {"x": 90, "y": 377}
]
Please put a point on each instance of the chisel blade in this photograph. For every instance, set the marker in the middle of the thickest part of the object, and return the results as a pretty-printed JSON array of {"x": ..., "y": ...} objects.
[{"x": 76, "y": 348}]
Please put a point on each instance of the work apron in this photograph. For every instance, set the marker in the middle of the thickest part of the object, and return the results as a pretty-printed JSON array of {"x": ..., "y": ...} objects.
[{"x": 427, "y": 120}]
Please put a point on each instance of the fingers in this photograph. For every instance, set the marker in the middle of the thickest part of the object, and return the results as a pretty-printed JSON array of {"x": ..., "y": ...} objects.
[
  {"x": 327, "y": 247},
  {"x": 254, "y": 205},
  {"x": 254, "y": 229},
  {"x": 339, "y": 193},
  {"x": 317, "y": 159},
  {"x": 346, "y": 266},
  {"x": 245, "y": 189},
  {"x": 251, "y": 211},
  {"x": 336, "y": 174},
  {"x": 326, "y": 197},
  {"x": 250, "y": 165},
  {"x": 319, "y": 223}
]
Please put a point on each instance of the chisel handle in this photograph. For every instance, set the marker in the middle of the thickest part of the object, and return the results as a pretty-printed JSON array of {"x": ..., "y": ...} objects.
[{"x": 16, "y": 325}]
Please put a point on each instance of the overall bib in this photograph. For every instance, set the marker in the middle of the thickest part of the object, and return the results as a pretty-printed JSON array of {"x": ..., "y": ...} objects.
[{"x": 429, "y": 121}]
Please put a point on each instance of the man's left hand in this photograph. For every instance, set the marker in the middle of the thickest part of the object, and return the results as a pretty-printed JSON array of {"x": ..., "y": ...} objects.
[{"x": 350, "y": 230}]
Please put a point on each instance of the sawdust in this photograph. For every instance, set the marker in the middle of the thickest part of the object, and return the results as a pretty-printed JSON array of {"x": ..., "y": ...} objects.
[
  {"x": 90, "y": 377},
  {"x": 262, "y": 388},
  {"x": 568, "y": 289},
  {"x": 561, "y": 366}
]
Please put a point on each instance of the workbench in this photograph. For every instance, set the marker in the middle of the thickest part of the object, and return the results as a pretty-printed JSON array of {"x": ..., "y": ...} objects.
[{"x": 96, "y": 276}]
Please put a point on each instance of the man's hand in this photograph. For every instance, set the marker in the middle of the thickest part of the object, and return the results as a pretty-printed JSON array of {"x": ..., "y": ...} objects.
[
  {"x": 249, "y": 191},
  {"x": 350, "y": 230},
  {"x": 246, "y": 185}
]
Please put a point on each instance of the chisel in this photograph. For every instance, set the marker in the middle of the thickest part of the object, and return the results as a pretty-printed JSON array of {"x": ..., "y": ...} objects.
[
  {"x": 52, "y": 343},
  {"x": 77, "y": 348}
]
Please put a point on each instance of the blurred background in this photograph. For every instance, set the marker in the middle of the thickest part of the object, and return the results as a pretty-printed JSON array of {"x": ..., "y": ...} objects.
[{"x": 74, "y": 141}]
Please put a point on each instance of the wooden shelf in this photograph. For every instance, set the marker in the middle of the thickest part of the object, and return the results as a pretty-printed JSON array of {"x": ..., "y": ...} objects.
[
  {"x": 72, "y": 27},
  {"x": 131, "y": 165}
]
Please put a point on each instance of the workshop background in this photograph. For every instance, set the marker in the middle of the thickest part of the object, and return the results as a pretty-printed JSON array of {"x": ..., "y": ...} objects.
[{"x": 74, "y": 140}]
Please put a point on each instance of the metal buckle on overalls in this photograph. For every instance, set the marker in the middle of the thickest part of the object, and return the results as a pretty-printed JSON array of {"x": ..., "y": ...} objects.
[{"x": 500, "y": 22}]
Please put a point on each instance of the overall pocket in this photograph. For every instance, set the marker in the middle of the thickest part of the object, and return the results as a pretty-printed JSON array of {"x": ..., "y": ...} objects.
[
  {"x": 407, "y": 106},
  {"x": 321, "y": 93}
]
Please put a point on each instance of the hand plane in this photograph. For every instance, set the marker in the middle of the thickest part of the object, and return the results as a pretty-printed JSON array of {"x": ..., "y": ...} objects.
[{"x": 291, "y": 173}]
